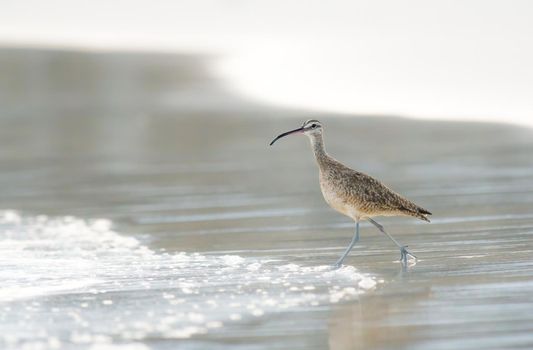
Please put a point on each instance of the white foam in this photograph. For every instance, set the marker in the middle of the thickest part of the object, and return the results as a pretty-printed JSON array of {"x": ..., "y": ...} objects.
[
  {"x": 42, "y": 256},
  {"x": 232, "y": 259},
  {"x": 69, "y": 270}
]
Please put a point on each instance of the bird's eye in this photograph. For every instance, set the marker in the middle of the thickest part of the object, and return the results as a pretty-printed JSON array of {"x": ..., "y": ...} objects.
[{"x": 314, "y": 126}]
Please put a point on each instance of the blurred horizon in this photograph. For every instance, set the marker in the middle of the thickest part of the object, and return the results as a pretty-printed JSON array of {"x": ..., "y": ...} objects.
[
  {"x": 450, "y": 60},
  {"x": 144, "y": 208}
]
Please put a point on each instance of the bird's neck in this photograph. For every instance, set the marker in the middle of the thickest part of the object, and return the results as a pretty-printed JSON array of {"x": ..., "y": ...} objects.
[{"x": 317, "y": 143}]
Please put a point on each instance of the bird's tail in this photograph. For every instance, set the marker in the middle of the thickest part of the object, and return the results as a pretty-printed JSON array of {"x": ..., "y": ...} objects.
[{"x": 421, "y": 213}]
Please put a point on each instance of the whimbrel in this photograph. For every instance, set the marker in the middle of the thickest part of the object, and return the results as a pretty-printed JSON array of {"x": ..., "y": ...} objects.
[{"x": 354, "y": 194}]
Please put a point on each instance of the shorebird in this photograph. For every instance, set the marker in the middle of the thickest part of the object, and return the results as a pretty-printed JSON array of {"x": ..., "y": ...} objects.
[{"x": 355, "y": 194}]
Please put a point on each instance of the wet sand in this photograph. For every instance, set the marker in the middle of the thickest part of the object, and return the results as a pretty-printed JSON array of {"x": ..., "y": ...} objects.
[{"x": 182, "y": 165}]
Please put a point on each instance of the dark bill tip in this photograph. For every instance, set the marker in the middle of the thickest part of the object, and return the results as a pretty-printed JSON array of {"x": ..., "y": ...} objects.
[{"x": 286, "y": 134}]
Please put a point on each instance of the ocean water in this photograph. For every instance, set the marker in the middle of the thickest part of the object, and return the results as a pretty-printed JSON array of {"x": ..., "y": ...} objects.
[
  {"x": 135, "y": 217},
  {"x": 79, "y": 284}
]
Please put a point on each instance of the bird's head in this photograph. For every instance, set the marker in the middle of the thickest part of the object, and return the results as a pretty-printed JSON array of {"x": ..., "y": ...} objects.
[{"x": 311, "y": 128}]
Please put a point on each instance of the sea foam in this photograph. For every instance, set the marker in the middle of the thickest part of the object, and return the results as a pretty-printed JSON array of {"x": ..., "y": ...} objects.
[{"x": 111, "y": 289}]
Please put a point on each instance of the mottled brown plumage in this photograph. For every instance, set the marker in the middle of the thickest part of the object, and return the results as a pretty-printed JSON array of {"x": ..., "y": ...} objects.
[
  {"x": 353, "y": 193},
  {"x": 366, "y": 196},
  {"x": 356, "y": 194}
]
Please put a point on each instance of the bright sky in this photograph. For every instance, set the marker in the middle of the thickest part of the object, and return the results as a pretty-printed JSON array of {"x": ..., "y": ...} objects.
[{"x": 453, "y": 59}]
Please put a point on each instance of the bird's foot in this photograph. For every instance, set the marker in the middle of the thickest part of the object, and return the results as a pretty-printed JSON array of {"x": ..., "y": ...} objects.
[{"x": 405, "y": 255}]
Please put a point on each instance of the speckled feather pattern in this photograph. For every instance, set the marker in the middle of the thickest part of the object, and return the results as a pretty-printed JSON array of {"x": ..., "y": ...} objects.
[{"x": 356, "y": 194}]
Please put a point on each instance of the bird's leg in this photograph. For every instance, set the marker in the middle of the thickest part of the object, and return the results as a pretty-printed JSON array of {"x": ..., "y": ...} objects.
[
  {"x": 352, "y": 243},
  {"x": 403, "y": 248}
]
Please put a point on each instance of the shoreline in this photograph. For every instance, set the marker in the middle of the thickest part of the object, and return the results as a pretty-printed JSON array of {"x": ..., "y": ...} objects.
[
  {"x": 121, "y": 138},
  {"x": 204, "y": 65}
]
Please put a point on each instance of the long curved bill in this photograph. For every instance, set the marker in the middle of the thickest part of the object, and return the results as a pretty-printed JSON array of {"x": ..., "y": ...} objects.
[{"x": 299, "y": 130}]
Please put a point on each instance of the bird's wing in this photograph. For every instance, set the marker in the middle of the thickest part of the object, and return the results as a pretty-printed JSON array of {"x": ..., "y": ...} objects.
[{"x": 374, "y": 196}]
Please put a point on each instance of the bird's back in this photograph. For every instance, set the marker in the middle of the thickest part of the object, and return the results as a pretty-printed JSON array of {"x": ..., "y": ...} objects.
[{"x": 356, "y": 194}]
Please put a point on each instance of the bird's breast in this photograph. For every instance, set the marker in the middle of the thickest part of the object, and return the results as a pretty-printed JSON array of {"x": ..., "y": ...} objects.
[{"x": 336, "y": 198}]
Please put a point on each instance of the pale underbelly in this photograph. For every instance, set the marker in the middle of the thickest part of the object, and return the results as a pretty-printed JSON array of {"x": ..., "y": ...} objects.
[
  {"x": 350, "y": 208},
  {"x": 340, "y": 204}
]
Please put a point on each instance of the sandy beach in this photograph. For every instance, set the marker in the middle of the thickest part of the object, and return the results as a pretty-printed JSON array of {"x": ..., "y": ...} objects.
[{"x": 143, "y": 207}]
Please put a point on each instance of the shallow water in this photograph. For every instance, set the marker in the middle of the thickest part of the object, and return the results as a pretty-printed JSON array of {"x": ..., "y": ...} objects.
[
  {"x": 179, "y": 226},
  {"x": 96, "y": 286}
]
